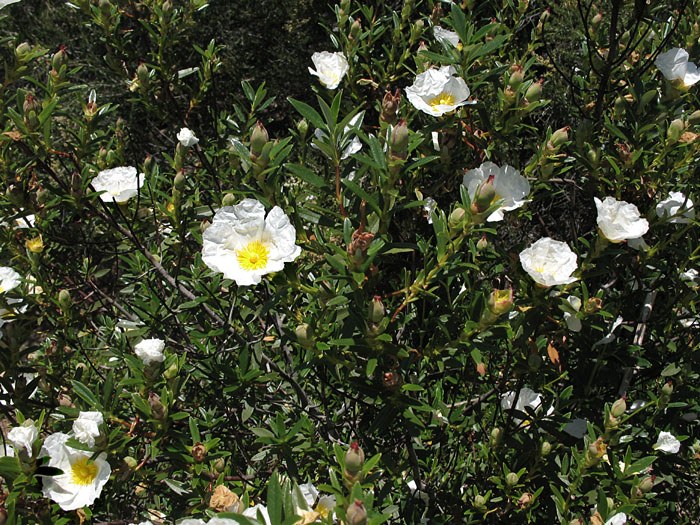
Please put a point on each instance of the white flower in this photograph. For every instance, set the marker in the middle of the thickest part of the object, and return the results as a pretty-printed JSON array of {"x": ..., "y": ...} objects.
[
  {"x": 667, "y": 443},
  {"x": 5, "y": 3},
  {"x": 674, "y": 204},
  {"x": 187, "y": 138},
  {"x": 325, "y": 505},
  {"x": 527, "y": 398},
  {"x": 244, "y": 245},
  {"x": 330, "y": 68},
  {"x": 675, "y": 67},
  {"x": 252, "y": 512},
  {"x": 349, "y": 142},
  {"x": 26, "y": 221},
  {"x": 438, "y": 91},
  {"x": 618, "y": 519},
  {"x": 82, "y": 479},
  {"x": 150, "y": 351},
  {"x": 87, "y": 427},
  {"x": 24, "y": 436},
  {"x": 511, "y": 187},
  {"x": 118, "y": 184},
  {"x": 692, "y": 276},
  {"x": 9, "y": 279},
  {"x": 446, "y": 37},
  {"x": 619, "y": 220},
  {"x": 573, "y": 323},
  {"x": 549, "y": 262}
]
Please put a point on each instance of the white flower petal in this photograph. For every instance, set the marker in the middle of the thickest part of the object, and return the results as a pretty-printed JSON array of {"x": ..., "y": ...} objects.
[
  {"x": 446, "y": 37},
  {"x": 619, "y": 220},
  {"x": 118, "y": 184},
  {"x": 23, "y": 436},
  {"x": 674, "y": 65},
  {"x": 150, "y": 351},
  {"x": 668, "y": 443},
  {"x": 437, "y": 91},
  {"x": 330, "y": 68},
  {"x": 618, "y": 519},
  {"x": 511, "y": 187},
  {"x": 549, "y": 262},
  {"x": 675, "y": 203},
  {"x": 187, "y": 138}
]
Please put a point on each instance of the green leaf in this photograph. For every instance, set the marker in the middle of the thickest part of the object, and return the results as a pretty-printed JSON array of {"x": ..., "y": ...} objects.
[
  {"x": 85, "y": 394},
  {"x": 306, "y": 175},
  {"x": 309, "y": 113},
  {"x": 274, "y": 500}
]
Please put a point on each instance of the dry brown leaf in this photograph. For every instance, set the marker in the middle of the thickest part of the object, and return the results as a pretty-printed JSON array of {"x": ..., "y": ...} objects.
[
  {"x": 688, "y": 137},
  {"x": 223, "y": 500},
  {"x": 553, "y": 356},
  {"x": 14, "y": 135}
]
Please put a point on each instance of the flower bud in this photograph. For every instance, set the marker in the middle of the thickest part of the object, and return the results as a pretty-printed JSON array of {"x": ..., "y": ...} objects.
[
  {"x": 500, "y": 301},
  {"x": 456, "y": 218},
  {"x": 545, "y": 448},
  {"x": 142, "y": 74},
  {"x": 22, "y": 50},
  {"x": 179, "y": 181},
  {"x": 512, "y": 479},
  {"x": 417, "y": 30},
  {"x": 158, "y": 410},
  {"x": 258, "y": 139},
  {"x": 667, "y": 389},
  {"x": 199, "y": 452},
  {"x": 597, "y": 19},
  {"x": 560, "y": 137},
  {"x": 392, "y": 381},
  {"x": 399, "y": 140},
  {"x": 545, "y": 15},
  {"x": 354, "y": 458},
  {"x": 35, "y": 245},
  {"x": 592, "y": 156},
  {"x": 534, "y": 92},
  {"x": 479, "y": 502},
  {"x": 495, "y": 437},
  {"x": 612, "y": 423},
  {"x": 356, "y": 514},
  {"x": 219, "y": 465},
  {"x": 482, "y": 244},
  {"x": 619, "y": 407},
  {"x": 593, "y": 305},
  {"x": 694, "y": 118},
  {"x": 302, "y": 128},
  {"x": 525, "y": 500},
  {"x": 675, "y": 129},
  {"x": 390, "y": 106},
  {"x": 484, "y": 196},
  {"x": 171, "y": 372},
  {"x": 355, "y": 29},
  {"x": 377, "y": 311},
  {"x": 64, "y": 300},
  {"x": 228, "y": 200},
  {"x": 516, "y": 77},
  {"x": 595, "y": 451},
  {"x": 646, "y": 484},
  {"x": 305, "y": 335},
  {"x": 64, "y": 400},
  {"x": 59, "y": 59},
  {"x": 357, "y": 249}
]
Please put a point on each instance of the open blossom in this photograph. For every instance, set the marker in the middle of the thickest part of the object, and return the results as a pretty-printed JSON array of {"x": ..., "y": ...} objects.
[
  {"x": 668, "y": 443},
  {"x": 252, "y": 512},
  {"x": 675, "y": 67},
  {"x": 573, "y": 323},
  {"x": 150, "y": 351},
  {"x": 82, "y": 479},
  {"x": 9, "y": 279},
  {"x": 619, "y": 220},
  {"x": 330, "y": 68},
  {"x": 527, "y": 398},
  {"x": 24, "y": 436},
  {"x": 325, "y": 504},
  {"x": 438, "y": 91},
  {"x": 87, "y": 427},
  {"x": 244, "y": 245},
  {"x": 511, "y": 187},
  {"x": 187, "y": 138},
  {"x": 445, "y": 36},
  {"x": 549, "y": 262},
  {"x": 675, "y": 203},
  {"x": 118, "y": 184},
  {"x": 618, "y": 519}
]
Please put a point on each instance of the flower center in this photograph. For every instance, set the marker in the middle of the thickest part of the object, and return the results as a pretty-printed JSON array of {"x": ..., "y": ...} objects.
[
  {"x": 331, "y": 78},
  {"x": 82, "y": 472},
  {"x": 2, "y": 289},
  {"x": 443, "y": 99},
  {"x": 539, "y": 269},
  {"x": 254, "y": 256}
]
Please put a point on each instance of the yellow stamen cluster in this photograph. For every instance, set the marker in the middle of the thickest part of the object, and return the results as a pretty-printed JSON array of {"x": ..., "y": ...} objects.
[
  {"x": 443, "y": 99},
  {"x": 82, "y": 472},
  {"x": 254, "y": 256}
]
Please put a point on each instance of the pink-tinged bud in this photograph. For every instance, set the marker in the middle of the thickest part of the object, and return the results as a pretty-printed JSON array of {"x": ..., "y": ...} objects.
[
  {"x": 516, "y": 77},
  {"x": 399, "y": 140},
  {"x": 500, "y": 301},
  {"x": 560, "y": 137},
  {"x": 694, "y": 118},
  {"x": 597, "y": 19},
  {"x": 525, "y": 500},
  {"x": 356, "y": 514},
  {"x": 482, "y": 244},
  {"x": 390, "y": 106},
  {"x": 357, "y": 249},
  {"x": 392, "y": 381},
  {"x": 484, "y": 196},
  {"x": 204, "y": 225},
  {"x": 534, "y": 92},
  {"x": 545, "y": 15},
  {"x": 355, "y": 29},
  {"x": 377, "y": 311},
  {"x": 595, "y": 451},
  {"x": 646, "y": 484},
  {"x": 143, "y": 75},
  {"x": 59, "y": 58},
  {"x": 228, "y": 200},
  {"x": 619, "y": 407},
  {"x": 258, "y": 139},
  {"x": 667, "y": 389},
  {"x": 354, "y": 458}
]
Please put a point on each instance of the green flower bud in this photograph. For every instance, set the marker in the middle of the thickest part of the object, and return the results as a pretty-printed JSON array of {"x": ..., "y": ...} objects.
[
  {"x": 59, "y": 58},
  {"x": 482, "y": 244},
  {"x": 302, "y": 128},
  {"x": 516, "y": 77},
  {"x": 675, "y": 129},
  {"x": 534, "y": 92},
  {"x": 619, "y": 407},
  {"x": 495, "y": 437},
  {"x": 22, "y": 51},
  {"x": 355, "y": 29},
  {"x": 560, "y": 137},
  {"x": 694, "y": 118},
  {"x": 305, "y": 335},
  {"x": 592, "y": 156},
  {"x": 399, "y": 140},
  {"x": 545, "y": 448},
  {"x": 377, "y": 311},
  {"x": 228, "y": 200},
  {"x": 456, "y": 217},
  {"x": 356, "y": 514},
  {"x": 64, "y": 300},
  {"x": 479, "y": 502},
  {"x": 258, "y": 139},
  {"x": 143, "y": 74},
  {"x": 219, "y": 465},
  {"x": 158, "y": 410},
  {"x": 171, "y": 372},
  {"x": 667, "y": 389},
  {"x": 646, "y": 484},
  {"x": 512, "y": 479},
  {"x": 500, "y": 301},
  {"x": 597, "y": 19},
  {"x": 354, "y": 458},
  {"x": 484, "y": 196}
]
